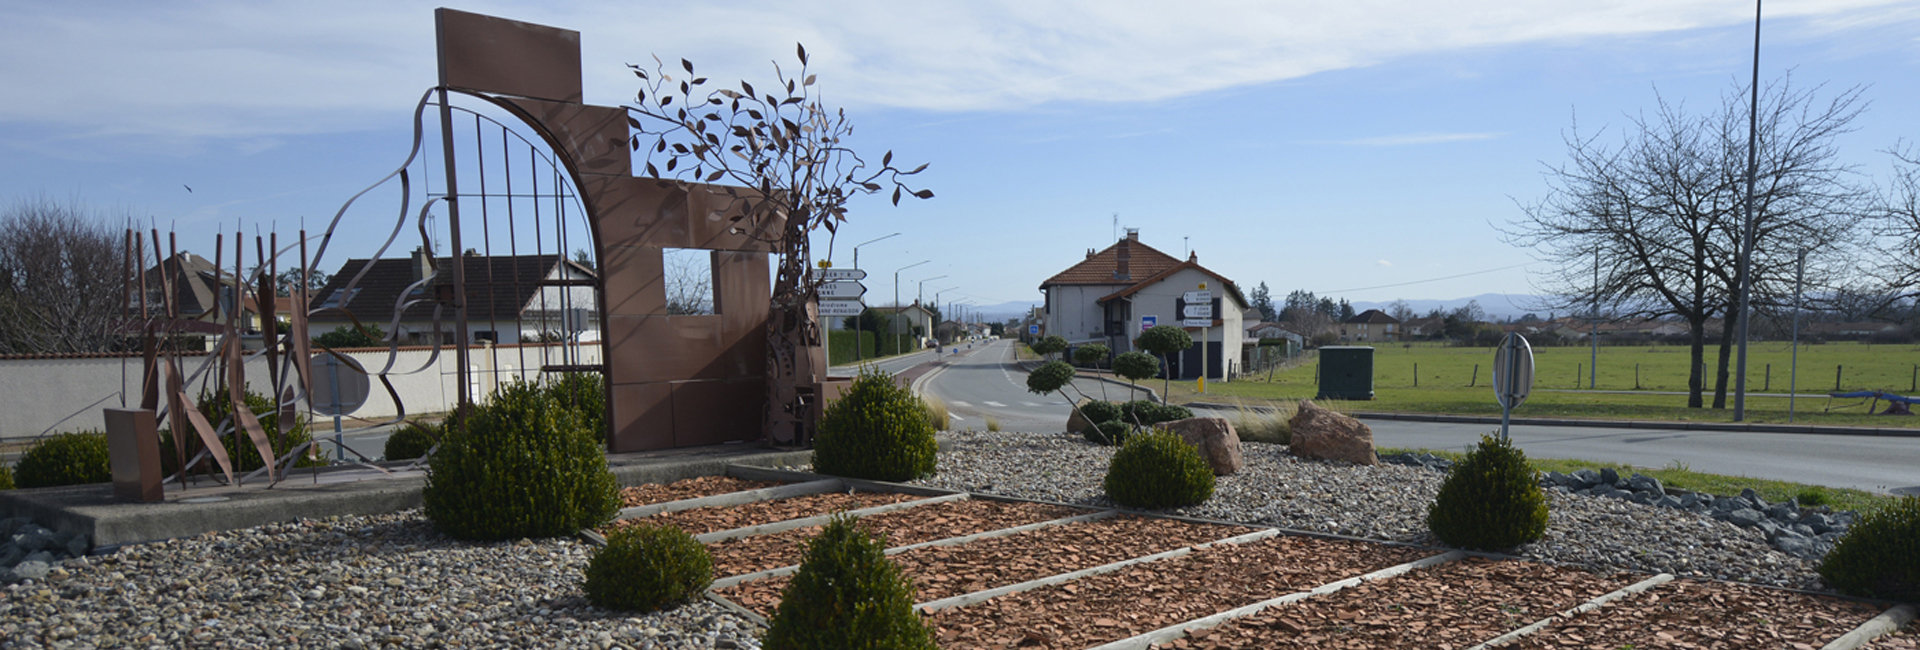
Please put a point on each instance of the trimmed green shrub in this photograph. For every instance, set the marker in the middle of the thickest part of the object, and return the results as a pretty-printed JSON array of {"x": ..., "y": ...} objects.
[
  {"x": 1091, "y": 354},
  {"x": 216, "y": 406},
  {"x": 523, "y": 467},
  {"x": 1136, "y": 366},
  {"x": 847, "y": 594},
  {"x": 1879, "y": 557},
  {"x": 1490, "y": 501},
  {"x": 410, "y": 441},
  {"x": 1146, "y": 414},
  {"x": 1110, "y": 432},
  {"x": 877, "y": 430},
  {"x": 1053, "y": 376},
  {"x": 1097, "y": 411},
  {"x": 585, "y": 393},
  {"x": 1164, "y": 340},
  {"x": 1052, "y": 343},
  {"x": 644, "y": 568},
  {"x": 1157, "y": 469},
  {"x": 65, "y": 459}
]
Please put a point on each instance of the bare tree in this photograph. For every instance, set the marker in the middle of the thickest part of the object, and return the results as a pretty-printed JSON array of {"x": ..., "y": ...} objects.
[
  {"x": 689, "y": 282},
  {"x": 62, "y": 279},
  {"x": 1662, "y": 212},
  {"x": 1894, "y": 263},
  {"x": 1400, "y": 311},
  {"x": 788, "y": 151}
]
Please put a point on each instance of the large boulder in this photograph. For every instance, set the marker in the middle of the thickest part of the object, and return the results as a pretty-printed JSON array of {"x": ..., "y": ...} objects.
[
  {"x": 1076, "y": 422},
  {"x": 1216, "y": 440},
  {"x": 1321, "y": 434}
]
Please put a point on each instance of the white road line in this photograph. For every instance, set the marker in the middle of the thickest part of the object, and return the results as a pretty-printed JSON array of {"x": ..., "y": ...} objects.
[
  {"x": 996, "y": 405},
  {"x": 961, "y": 404}
]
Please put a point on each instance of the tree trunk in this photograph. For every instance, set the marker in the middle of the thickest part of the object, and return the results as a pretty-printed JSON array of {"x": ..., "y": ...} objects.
[
  {"x": 1697, "y": 343},
  {"x": 1720, "y": 377}
]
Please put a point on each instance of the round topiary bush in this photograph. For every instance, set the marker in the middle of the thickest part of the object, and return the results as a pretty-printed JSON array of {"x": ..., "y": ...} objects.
[
  {"x": 644, "y": 568},
  {"x": 64, "y": 459},
  {"x": 1157, "y": 469},
  {"x": 1879, "y": 557},
  {"x": 847, "y": 594},
  {"x": 1146, "y": 414},
  {"x": 410, "y": 441},
  {"x": 876, "y": 430},
  {"x": 1097, "y": 411},
  {"x": 523, "y": 467},
  {"x": 1490, "y": 501},
  {"x": 1110, "y": 432},
  {"x": 585, "y": 393}
]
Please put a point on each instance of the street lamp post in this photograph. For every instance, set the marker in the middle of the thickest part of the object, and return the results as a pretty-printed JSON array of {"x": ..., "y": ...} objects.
[
  {"x": 856, "y": 320},
  {"x": 895, "y": 329},
  {"x": 856, "y": 248},
  {"x": 921, "y": 293},
  {"x": 1747, "y": 231}
]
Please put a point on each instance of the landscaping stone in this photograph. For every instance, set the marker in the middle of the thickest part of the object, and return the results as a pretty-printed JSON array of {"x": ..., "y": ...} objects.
[
  {"x": 1215, "y": 439},
  {"x": 1321, "y": 434}
]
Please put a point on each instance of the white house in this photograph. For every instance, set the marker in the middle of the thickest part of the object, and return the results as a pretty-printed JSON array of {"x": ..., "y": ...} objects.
[
  {"x": 1114, "y": 294},
  {"x": 509, "y": 299}
]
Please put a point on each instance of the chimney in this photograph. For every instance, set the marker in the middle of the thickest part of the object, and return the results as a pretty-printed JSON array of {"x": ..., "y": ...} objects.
[
  {"x": 422, "y": 263},
  {"x": 1089, "y": 253},
  {"x": 1122, "y": 269},
  {"x": 1133, "y": 234}
]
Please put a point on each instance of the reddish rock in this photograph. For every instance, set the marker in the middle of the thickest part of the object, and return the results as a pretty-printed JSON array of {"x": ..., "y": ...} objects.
[
  {"x": 1215, "y": 439},
  {"x": 1321, "y": 434}
]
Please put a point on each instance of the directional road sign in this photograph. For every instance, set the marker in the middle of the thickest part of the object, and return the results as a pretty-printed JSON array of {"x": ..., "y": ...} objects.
[
  {"x": 842, "y": 289},
  {"x": 1196, "y": 322},
  {"x": 838, "y": 274},
  {"x": 1198, "y": 296},
  {"x": 1201, "y": 310},
  {"x": 835, "y": 307}
]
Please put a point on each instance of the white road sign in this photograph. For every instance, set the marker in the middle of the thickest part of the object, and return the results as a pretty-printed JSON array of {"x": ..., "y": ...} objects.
[
  {"x": 1202, "y": 310},
  {"x": 1198, "y": 296},
  {"x": 838, "y": 274},
  {"x": 842, "y": 289},
  {"x": 831, "y": 307},
  {"x": 1196, "y": 322}
]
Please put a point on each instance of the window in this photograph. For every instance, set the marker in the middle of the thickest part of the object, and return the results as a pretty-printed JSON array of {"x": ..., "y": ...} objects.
[{"x": 688, "y": 277}]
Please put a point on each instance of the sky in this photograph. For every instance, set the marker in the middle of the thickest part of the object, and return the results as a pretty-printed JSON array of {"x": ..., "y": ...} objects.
[{"x": 1364, "y": 149}]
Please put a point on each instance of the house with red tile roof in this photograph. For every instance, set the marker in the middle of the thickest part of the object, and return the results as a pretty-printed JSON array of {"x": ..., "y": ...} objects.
[{"x": 1108, "y": 298}]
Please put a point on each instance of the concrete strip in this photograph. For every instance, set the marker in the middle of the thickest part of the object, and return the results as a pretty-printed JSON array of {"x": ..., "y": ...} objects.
[
  {"x": 1582, "y": 608},
  {"x": 1174, "y": 632},
  {"x": 818, "y": 520},
  {"x": 733, "y": 498},
  {"x": 981, "y": 596},
  {"x": 751, "y": 616},
  {"x": 1893, "y": 619},
  {"x": 950, "y": 541}
]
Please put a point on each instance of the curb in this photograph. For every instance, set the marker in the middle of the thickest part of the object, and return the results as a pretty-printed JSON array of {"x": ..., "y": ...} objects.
[{"x": 1610, "y": 424}]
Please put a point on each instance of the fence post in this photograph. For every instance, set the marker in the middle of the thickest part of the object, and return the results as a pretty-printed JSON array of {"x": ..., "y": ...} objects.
[
  {"x": 1476, "y": 376},
  {"x": 1576, "y": 375},
  {"x": 1769, "y": 384},
  {"x": 1636, "y": 376},
  {"x": 1416, "y": 375},
  {"x": 1836, "y": 377}
]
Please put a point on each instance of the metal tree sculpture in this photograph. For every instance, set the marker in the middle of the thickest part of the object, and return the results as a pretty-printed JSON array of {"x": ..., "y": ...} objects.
[{"x": 787, "y": 149}]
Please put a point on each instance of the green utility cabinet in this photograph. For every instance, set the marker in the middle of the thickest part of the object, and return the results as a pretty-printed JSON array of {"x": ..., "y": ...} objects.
[{"x": 1346, "y": 372}]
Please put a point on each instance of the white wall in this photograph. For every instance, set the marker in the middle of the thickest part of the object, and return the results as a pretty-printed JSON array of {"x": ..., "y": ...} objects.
[
  {"x": 36, "y": 393},
  {"x": 1073, "y": 313}
]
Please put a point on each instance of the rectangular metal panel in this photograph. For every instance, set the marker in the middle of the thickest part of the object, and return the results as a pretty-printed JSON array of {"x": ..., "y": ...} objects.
[
  {"x": 713, "y": 412},
  {"x": 133, "y": 452},
  {"x": 644, "y": 419},
  {"x": 649, "y": 211},
  {"x": 644, "y": 349},
  {"x": 635, "y": 277},
  {"x": 508, "y": 57},
  {"x": 596, "y": 136},
  {"x": 741, "y": 288}
]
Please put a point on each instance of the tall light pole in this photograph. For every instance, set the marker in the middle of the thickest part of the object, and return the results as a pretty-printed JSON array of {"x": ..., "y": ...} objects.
[
  {"x": 1746, "y": 235},
  {"x": 1793, "y": 376},
  {"x": 921, "y": 293},
  {"x": 895, "y": 329},
  {"x": 856, "y": 248}
]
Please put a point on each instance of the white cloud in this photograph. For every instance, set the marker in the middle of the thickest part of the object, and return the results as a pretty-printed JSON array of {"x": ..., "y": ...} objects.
[
  {"x": 1382, "y": 263},
  {"x": 258, "y": 69}
]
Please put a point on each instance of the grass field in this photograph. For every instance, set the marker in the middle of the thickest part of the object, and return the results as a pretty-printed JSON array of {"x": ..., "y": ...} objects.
[{"x": 1632, "y": 383}]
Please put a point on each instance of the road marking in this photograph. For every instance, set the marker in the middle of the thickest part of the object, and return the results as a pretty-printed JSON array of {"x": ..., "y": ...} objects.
[
  {"x": 996, "y": 405},
  {"x": 961, "y": 404},
  {"x": 956, "y": 418}
]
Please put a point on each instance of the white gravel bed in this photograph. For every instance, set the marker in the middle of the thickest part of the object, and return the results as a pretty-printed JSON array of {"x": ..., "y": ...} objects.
[
  {"x": 1386, "y": 502},
  {"x": 343, "y": 582}
]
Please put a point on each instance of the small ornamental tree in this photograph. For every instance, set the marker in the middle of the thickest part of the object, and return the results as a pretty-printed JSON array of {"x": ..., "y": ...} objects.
[
  {"x": 1092, "y": 354},
  {"x": 1165, "y": 340},
  {"x": 1050, "y": 345},
  {"x": 1135, "y": 366},
  {"x": 1056, "y": 376},
  {"x": 788, "y": 171}
]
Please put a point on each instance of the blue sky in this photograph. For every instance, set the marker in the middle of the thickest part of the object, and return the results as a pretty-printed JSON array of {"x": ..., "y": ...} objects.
[{"x": 1329, "y": 146}]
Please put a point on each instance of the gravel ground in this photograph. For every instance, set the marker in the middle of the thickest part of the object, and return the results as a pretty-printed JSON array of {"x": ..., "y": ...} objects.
[{"x": 1378, "y": 502}]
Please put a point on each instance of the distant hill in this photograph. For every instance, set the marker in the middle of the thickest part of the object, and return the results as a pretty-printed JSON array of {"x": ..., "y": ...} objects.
[
  {"x": 1499, "y": 306},
  {"x": 1003, "y": 311}
]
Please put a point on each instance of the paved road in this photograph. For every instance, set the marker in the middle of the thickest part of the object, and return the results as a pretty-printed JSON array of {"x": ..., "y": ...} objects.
[{"x": 989, "y": 383}]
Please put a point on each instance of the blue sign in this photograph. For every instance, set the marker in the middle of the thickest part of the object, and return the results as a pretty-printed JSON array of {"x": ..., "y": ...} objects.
[
  {"x": 1033, "y": 330},
  {"x": 1147, "y": 322}
]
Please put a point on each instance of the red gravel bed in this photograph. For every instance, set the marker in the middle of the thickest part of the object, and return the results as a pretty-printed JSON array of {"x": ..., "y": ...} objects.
[
  {"x": 1138, "y": 599},
  {"x": 699, "y": 521},
  {"x": 1907, "y": 638},
  {"x": 743, "y": 555},
  {"x": 1457, "y": 604},
  {"x": 1693, "y": 614},
  {"x": 945, "y": 571},
  {"x": 691, "y": 488}
]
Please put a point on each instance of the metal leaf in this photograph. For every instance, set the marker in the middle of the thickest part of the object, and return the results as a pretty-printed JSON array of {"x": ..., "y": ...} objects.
[
  {"x": 687, "y": 64},
  {"x": 896, "y": 191},
  {"x": 715, "y": 175},
  {"x": 809, "y": 81},
  {"x": 802, "y": 49},
  {"x": 887, "y": 159},
  {"x": 651, "y": 171},
  {"x": 666, "y": 99},
  {"x": 729, "y": 94},
  {"x": 917, "y": 170},
  {"x": 673, "y": 161},
  {"x": 925, "y": 194},
  {"x": 633, "y": 122},
  {"x": 699, "y": 81},
  {"x": 747, "y": 87}
]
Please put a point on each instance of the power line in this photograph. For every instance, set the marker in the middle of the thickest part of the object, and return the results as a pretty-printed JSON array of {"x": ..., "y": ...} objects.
[{"x": 1402, "y": 284}]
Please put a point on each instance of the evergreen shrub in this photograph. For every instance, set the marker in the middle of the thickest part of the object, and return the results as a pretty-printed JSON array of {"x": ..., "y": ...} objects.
[
  {"x": 1146, "y": 413},
  {"x": 1097, "y": 411},
  {"x": 1879, "y": 557},
  {"x": 72, "y": 458},
  {"x": 1491, "y": 500},
  {"x": 847, "y": 594},
  {"x": 645, "y": 568},
  {"x": 1110, "y": 432},
  {"x": 410, "y": 441},
  {"x": 876, "y": 430},
  {"x": 217, "y": 407},
  {"x": 1157, "y": 469},
  {"x": 523, "y": 467}
]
